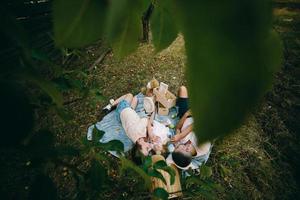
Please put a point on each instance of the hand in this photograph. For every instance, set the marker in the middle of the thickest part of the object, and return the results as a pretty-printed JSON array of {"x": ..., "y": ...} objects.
[
  {"x": 177, "y": 132},
  {"x": 176, "y": 138}
]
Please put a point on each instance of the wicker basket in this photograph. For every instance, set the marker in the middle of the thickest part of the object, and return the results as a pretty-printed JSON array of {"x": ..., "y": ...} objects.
[
  {"x": 173, "y": 190},
  {"x": 168, "y": 100}
]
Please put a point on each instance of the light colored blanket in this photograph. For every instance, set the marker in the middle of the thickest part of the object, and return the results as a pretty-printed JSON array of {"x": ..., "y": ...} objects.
[{"x": 113, "y": 128}]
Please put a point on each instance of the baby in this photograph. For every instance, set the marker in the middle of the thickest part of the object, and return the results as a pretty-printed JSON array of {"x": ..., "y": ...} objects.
[{"x": 158, "y": 135}]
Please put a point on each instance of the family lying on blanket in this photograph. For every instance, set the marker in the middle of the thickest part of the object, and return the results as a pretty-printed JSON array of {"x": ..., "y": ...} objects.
[{"x": 151, "y": 137}]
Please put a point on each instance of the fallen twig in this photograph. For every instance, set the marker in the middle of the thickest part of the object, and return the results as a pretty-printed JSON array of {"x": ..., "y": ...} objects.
[{"x": 101, "y": 58}]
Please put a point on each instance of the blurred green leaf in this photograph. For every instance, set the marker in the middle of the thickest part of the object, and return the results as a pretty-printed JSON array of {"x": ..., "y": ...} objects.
[
  {"x": 163, "y": 166},
  {"x": 155, "y": 173},
  {"x": 113, "y": 145},
  {"x": 124, "y": 25},
  {"x": 78, "y": 22},
  {"x": 231, "y": 60},
  {"x": 163, "y": 25},
  {"x": 64, "y": 114},
  {"x": 43, "y": 188},
  {"x": 46, "y": 86},
  {"x": 128, "y": 164},
  {"x": 96, "y": 175},
  {"x": 16, "y": 116},
  {"x": 172, "y": 173},
  {"x": 147, "y": 163},
  {"x": 97, "y": 134},
  {"x": 160, "y": 164},
  {"x": 160, "y": 193}
]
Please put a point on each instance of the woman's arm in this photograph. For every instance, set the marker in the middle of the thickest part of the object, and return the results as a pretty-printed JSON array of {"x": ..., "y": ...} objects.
[
  {"x": 180, "y": 135},
  {"x": 151, "y": 135},
  {"x": 183, "y": 118}
]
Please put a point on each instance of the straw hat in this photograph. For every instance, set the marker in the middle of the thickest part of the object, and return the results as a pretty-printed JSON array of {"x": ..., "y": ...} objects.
[{"x": 152, "y": 84}]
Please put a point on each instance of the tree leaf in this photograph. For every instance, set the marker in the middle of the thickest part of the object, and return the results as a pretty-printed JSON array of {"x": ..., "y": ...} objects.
[
  {"x": 163, "y": 166},
  {"x": 46, "y": 86},
  {"x": 124, "y": 26},
  {"x": 96, "y": 175},
  {"x": 160, "y": 193},
  {"x": 113, "y": 145},
  {"x": 160, "y": 164},
  {"x": 97, "y": 134},
  {"x": 63, "y": 113},
  {"x": 172, "y": 173},
  {"x": 155, "y": 173},
  {"x": 78, "y": 22},
  {"x": 147, "y": 163},
  {"x": 231, "y": 60},
  {"x": 43, "y": 188},
  {"x": 127, "y": 164},
  {"x": 163, "y": 25}
]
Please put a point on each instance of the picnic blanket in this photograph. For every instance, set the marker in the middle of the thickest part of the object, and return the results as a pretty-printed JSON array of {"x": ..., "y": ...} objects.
[
  {"x": 113, "y": 128},
  {"x": 114, "y": 131}
]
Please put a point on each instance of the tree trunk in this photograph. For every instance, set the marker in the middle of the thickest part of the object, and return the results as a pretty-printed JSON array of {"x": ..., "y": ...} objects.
[{"x": 146, "y": 23}]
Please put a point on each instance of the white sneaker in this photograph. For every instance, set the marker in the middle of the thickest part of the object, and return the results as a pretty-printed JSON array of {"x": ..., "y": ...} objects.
[
  {"x": 111, "y": 101},
  {"x": 107, "y": 108}
]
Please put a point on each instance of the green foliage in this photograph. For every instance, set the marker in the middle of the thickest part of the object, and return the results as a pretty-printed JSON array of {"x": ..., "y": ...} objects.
[
  {"x": 113, "y": 145},
  {"x": 205, "y": 171},
  {"x": 160, "y": 193},
  {"x": 96, "y": 175},
  {"x": 78, "y": 23},
  {"x": 43, "y": 188},
  {"x": 97, "y": 134},
  {"x": 224, "y": 171},
  {"x": 16, "y": 117},
  {"x": 46, "y": 86},
  {"x": 155, "y": 173},
  {"x": 124, "y": 25},
  {"x": 63, "y": 113},
  {"x": 163, "y": 25},
  {"x": 203, "y": 187},
  {"x": 127, "y": 164},
  {"x": 163, "y": 166},
  {"x": 231, "y": 59},
  {"x": 147, "y": 162}
]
